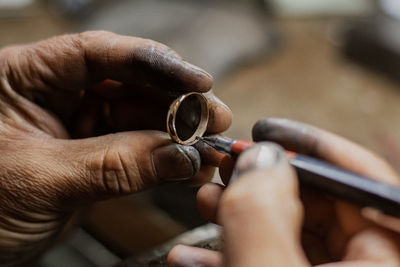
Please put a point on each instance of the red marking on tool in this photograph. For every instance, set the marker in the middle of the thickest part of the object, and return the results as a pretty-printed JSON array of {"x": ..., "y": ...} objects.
[
  {"x": 290, "y": 154},
  {"x": 241, "y": 145}
]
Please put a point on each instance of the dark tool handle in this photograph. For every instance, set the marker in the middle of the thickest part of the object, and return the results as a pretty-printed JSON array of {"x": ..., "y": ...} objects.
[{"x": 346, "y": 185}]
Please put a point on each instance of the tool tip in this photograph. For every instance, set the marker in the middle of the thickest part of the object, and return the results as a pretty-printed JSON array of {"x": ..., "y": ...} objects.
[{"x": 205, "y": 140}]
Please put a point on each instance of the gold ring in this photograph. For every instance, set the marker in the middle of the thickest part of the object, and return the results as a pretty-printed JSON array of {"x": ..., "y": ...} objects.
[{"x": 188, "y": 118}]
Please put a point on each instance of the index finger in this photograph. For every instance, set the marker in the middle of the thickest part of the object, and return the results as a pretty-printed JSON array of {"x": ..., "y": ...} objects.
[
  {"x": 74, "y": 61},
  {"x": 306, "y": 139}
]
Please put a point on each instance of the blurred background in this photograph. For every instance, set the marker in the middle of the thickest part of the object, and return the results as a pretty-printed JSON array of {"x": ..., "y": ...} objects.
[{"x": 331, "y": 63}]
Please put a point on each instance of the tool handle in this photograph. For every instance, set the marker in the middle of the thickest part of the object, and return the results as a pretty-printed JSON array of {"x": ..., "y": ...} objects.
[{"x": 239, "y": 146}]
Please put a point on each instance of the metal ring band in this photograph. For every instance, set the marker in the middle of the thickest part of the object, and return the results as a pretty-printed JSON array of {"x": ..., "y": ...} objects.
[{"x": 171, "y": 118}]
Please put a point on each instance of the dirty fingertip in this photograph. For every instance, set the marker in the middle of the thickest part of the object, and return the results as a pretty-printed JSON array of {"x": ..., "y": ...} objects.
[
  {"x": 264, "y": 155},
  {"x": 176, "y": 162},
  {"x": 264, "y": 128}
]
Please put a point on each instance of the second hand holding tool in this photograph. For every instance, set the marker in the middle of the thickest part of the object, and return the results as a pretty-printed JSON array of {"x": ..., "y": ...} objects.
[{"x": 327, "y": 178}]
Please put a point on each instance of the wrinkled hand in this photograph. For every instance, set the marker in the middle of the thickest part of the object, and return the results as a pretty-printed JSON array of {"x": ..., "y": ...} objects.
[
  {"x": 82, "y": 86},
  {"x": 266, "y": 223}
]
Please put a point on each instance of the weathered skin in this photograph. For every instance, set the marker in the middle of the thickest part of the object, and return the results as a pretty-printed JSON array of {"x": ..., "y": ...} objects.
[
  {"x": 268, "y": 221},
  {"x": 90, "y": 85}
]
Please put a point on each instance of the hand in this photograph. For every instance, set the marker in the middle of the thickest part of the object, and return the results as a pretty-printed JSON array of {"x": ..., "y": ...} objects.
[
  {"x": 267, "y": 224},
  {"x": 81, "y": 86}
]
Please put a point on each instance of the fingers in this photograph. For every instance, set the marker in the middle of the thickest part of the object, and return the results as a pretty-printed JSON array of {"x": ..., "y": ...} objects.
[
  {"x": 261, "y": 212},
  {"x": 208, "y": 198},
  {"x": 149, "y": 112},
  {"x": 310, "y": 140},
  {"x": 374, "y": 245},
  {"x": 381, "y": 219},
  {"x": 118, "y": 164},
  {"x": 73, "y": 61},
  {"x": 184, "y": 256},
  {"x": 306, "y": 139},
  {"x": 97, "y": 116},
  {"x": 119, "y": 56},
  {"x": 370, "y": 247}
]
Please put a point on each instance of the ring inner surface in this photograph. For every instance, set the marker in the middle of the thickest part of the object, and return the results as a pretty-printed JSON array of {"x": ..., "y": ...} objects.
[{"x": 188, "y": 117}]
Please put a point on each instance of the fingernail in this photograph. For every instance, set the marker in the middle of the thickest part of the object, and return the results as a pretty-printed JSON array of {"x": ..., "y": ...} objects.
[
  {"x": 263, "y": 155},
  {"x": 175, "y": 162}
]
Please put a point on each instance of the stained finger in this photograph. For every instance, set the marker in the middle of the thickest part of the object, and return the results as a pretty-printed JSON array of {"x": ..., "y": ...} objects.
[
  {"x": 119, "y": 164},
  {"x": 306, "y": 139},
  {"x": 139, "y": 110},
  {"x": 99, "y": 55}
]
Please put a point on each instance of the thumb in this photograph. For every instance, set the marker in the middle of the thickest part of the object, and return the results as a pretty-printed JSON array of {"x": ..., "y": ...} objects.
[
  {"x": 261, "y": 212},
  {"x": 122, "y": 163}
]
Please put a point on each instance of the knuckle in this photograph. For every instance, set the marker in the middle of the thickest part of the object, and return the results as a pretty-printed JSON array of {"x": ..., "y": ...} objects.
[
  {"x": 92, "y": 43},
  {"x": 92, "y": 35},
  {"x": 112, "y": 174},
  {"x": 118, "y": 168}
]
